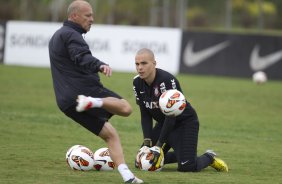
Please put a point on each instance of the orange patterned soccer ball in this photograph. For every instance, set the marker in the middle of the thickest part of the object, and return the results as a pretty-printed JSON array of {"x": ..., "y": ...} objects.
[
  {"x": 145, "y": 158},
  {"x": 172, "y": 102},
  {"x": 103, "y": 161},
  {"x": 81, "y": 158}
]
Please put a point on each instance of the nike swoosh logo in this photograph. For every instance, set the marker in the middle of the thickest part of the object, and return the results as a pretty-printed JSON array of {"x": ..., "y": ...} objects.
[
  {"x": 192, "y": 58},
  {"x": 182, "y": 163},
  {"x": 105, "y": 161},
  {"x": 258, "y": 62},
  {"x": 168, "y": 111},
  {"x": 141, "y": 92}
]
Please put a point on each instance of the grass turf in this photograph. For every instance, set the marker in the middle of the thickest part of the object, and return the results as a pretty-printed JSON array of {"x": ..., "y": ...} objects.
[{"x": 238, "y": 119}]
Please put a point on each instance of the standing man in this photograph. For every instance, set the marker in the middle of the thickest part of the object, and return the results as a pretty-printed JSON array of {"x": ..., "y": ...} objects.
[
  {"x": 75, "y": 74},
  {"x": 179, "y": 133}
]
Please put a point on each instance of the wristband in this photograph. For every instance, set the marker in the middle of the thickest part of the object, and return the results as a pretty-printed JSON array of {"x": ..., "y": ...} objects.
[{"x": 148, "y": 142}]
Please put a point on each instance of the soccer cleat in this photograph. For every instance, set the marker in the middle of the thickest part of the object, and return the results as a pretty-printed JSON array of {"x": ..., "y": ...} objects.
[
  {"x": 217, "y": 163},
  {"x": 134, "y": 180},
  {"x": 83, "y": 103}
]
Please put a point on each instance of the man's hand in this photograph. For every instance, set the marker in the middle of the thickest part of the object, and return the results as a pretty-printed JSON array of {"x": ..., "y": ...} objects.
[
  {"x": 158, "y": 156},
  {"x": 106, "y": 70}
]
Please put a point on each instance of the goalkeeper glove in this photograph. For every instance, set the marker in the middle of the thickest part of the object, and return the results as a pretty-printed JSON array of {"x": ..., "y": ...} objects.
[{"x": 158, "y": 156}]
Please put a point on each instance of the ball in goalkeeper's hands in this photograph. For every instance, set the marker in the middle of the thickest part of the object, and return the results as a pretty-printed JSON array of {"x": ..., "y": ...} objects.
[
  {"x": 147, "y": 159},
  {"x": 140, "y": 152}
]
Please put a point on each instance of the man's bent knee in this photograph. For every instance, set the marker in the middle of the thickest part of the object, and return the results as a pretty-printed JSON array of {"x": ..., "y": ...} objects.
[{"x": 126, "y": 109}]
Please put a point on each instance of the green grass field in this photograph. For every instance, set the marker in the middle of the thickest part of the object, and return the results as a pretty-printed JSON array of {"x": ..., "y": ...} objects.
[{"x": 241, "y": 121}]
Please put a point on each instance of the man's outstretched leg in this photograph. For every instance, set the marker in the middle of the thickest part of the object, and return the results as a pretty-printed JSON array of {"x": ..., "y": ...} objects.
[{"x": 109, "y": 134}]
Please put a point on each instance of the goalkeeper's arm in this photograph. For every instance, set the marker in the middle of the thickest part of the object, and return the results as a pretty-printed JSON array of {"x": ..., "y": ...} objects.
[
  {"x": 147, "y": 126},
  {"x": 166, "y": 129},
  {"x": 157, "y": 150}
]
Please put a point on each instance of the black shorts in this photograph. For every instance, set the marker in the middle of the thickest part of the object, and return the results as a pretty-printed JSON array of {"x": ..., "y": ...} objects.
[{"x": 95, "y": 118}]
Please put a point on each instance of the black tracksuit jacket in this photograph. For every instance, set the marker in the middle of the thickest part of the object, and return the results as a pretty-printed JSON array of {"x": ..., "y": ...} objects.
[{"x": 74, "y": 69}]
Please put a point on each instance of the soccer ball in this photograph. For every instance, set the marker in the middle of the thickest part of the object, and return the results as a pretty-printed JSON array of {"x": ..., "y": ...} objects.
[
  {"x": 80, "y": 158},
  {"x": 103, "y": 161},
  {"x": 172, "y": 102},
  {"x": 259, "y": 77},
  {"x": 144, "y": 159},
  {"x": 70, "y": 150},
  {"x": 140, "y": 152}
]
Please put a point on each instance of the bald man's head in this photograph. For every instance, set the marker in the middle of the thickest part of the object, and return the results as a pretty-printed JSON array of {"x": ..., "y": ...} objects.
[
  {"x": 145, "y": 65},
  {"x": 147, "y": 52},
  {"x": 80, "y": 12},
  {"x": 76, "y": 6}
]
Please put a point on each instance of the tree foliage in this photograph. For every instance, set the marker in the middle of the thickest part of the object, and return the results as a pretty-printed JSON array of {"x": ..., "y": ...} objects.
[{"x": 198, "y": 13}]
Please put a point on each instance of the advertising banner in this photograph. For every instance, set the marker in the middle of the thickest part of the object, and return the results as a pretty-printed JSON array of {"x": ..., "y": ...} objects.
[
  {"x": 27, "y": 44},
  {"x": 117, "y": 45},
  {"x": 230, "y": 54}
]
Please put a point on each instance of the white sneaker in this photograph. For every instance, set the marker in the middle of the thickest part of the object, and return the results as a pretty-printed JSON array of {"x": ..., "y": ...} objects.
[
  {"x": 83, "y": 103},
  {"x": 134, "y": 180}
]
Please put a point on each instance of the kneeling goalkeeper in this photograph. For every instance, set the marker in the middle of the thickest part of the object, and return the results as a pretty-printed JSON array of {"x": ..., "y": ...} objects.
[{"x": 179, "y": 133}]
